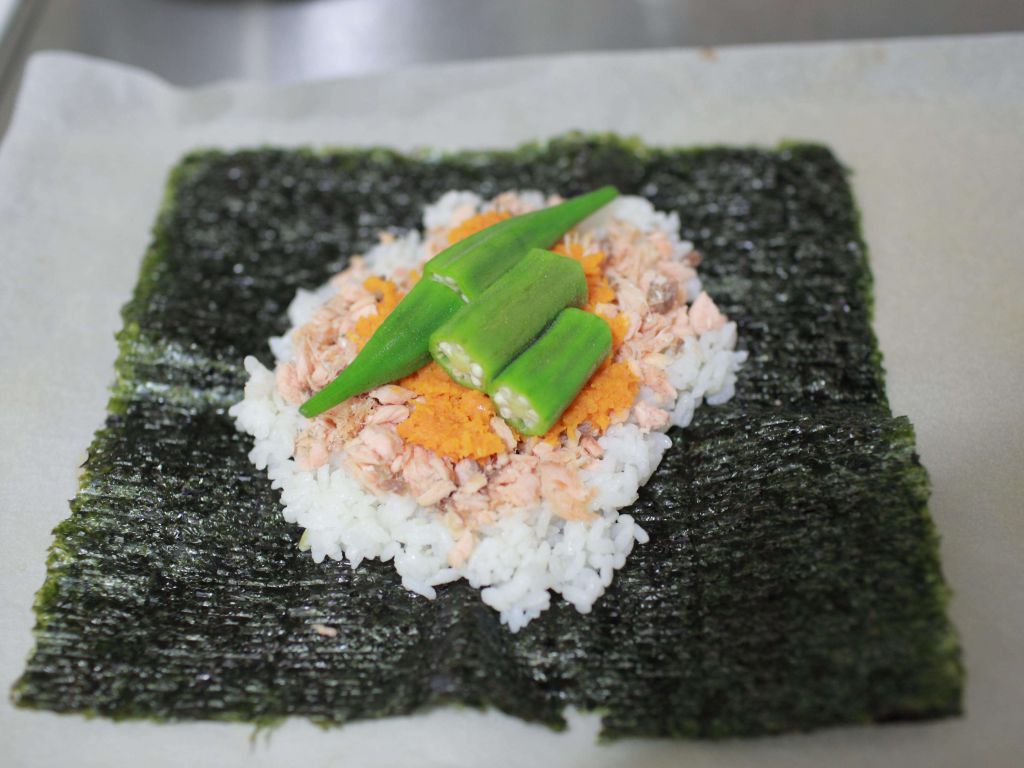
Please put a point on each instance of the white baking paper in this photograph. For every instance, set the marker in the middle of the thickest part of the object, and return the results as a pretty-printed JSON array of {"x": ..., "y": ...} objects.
[{"x": 934, "y": 132}]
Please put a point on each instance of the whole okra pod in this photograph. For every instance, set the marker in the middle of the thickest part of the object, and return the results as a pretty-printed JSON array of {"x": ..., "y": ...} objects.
[
  {"x": 396, "y": 349},
  {"x": 536, "y": 388},
  {"x": 484, "y": 336}
]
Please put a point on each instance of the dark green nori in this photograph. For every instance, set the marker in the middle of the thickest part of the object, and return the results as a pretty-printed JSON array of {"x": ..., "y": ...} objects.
[{"x": 792, "y": 577}]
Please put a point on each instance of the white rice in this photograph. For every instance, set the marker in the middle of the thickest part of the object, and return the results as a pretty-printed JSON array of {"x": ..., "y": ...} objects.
[{"x": 529, "y": 553}]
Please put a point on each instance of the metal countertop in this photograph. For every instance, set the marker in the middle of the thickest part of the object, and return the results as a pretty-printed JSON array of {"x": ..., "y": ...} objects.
[{"x": 189, "y": 42}]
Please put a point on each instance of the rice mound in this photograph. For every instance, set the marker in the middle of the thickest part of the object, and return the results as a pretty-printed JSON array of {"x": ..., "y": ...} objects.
[{"x": 526, "y": 554}]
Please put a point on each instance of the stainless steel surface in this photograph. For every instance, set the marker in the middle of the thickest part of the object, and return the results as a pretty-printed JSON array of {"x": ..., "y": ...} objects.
[{"x": 196, "y": 41}]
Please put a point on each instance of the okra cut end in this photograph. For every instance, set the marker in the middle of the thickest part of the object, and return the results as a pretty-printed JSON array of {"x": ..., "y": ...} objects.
[
  {"x": 534, "y": 391},
  {"x": 454, "y": 358},
  {"x": 449, "y": 283}
]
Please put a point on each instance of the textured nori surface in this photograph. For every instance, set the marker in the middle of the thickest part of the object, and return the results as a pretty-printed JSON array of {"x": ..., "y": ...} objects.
[{"x": 792, "y": 577}]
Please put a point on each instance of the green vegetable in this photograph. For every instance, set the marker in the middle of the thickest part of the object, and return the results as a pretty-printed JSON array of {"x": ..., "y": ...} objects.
[
  {"x": 396, "y": 349},
  {"x": 537, "y": 387},
  {"x": 792, "y": 578},
  {"x": 471, "y": 265},
  {"x": 464, "y": 270},
  {"x": 488, "y": 333}
]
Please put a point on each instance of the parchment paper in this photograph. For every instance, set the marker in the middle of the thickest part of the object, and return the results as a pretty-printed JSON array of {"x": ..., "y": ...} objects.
[{"x": 934, "y": 131}]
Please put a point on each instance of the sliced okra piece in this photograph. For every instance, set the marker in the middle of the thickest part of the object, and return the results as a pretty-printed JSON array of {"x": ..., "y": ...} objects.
[
  {"x": 472, "y": 265},
  {"x": 479, "y": 340},
  {"x": 536, "y": 388}
]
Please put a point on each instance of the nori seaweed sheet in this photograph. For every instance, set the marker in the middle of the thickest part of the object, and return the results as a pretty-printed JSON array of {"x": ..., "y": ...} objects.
[{"x": 792, "y": 578}]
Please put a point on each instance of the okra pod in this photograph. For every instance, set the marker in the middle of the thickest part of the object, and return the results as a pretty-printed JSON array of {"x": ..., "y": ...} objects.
[
  {"x": 457, "y": 274},
  {"x": 472, "y": 265},
  {"x": 396, "y": 349},
  {"x": 485, "y": 335},
  {"x": 536, "y": 388}
]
